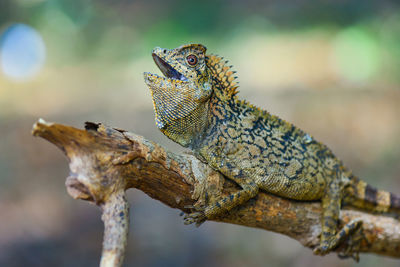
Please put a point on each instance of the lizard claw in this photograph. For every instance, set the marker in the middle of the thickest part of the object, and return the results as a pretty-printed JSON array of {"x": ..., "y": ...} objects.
[
  {"x": 352, "y": 248},
  {"x": 354, "y": 255},
  {"x": 196, "y": 217},
  {"x": 321, "y": 250}
]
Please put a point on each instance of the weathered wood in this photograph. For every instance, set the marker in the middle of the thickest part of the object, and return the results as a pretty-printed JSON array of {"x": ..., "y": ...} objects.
[{"x": 106, "y": 161}]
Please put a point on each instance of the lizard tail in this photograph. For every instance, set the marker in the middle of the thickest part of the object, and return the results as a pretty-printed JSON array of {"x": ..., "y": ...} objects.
[{"x": 361, "y": 195}]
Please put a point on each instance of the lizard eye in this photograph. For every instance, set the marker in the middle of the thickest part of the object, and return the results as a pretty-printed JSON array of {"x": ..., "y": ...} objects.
[{"x": 191, "y": 60}]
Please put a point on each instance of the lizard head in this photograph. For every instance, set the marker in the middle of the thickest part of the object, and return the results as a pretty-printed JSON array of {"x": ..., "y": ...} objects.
[{"x": 180, "y": 97}]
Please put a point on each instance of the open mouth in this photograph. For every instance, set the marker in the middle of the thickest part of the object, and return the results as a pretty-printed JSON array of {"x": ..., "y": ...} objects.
[{"x": 167, "y": 69}]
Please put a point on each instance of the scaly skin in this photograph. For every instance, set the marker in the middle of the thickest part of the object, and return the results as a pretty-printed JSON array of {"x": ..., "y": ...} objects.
[{"x": 196, "y": 106}]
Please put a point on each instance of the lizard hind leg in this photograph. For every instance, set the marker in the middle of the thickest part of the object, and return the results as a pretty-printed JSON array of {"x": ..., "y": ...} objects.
[{"x": 330, "y": 239}]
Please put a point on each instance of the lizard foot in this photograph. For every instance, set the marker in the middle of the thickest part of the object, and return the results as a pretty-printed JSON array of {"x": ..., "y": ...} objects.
[
  {"x": 349, "y": 252},
  {"x": 198, "y": 216},
  {"x": 353, "y": 231},
  {"x": 321, "y": 250},
  {"x": 352, "y": 247},
  {"x": 354, "y": 255},
  {"x": 195, "y": 217}
]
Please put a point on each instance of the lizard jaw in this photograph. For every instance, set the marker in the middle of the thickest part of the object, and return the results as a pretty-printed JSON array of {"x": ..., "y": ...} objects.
[
  {"x": 167, "y": 69},
  {"x": 156, "y": 81}
]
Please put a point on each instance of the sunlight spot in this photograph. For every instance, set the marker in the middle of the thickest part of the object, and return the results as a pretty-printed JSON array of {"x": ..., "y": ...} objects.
[{"x": 22, "y": 52}]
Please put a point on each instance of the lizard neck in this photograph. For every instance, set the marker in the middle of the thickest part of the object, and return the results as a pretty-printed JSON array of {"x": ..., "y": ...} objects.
[{"x": 209, "y": 145}]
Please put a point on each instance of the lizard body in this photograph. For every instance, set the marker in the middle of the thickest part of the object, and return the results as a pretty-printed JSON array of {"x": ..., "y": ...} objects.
[{"x": 196, "y": 106}]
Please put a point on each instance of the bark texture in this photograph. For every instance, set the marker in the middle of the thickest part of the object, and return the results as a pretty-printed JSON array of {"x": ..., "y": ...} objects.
[{"x": 106, "y": 161}]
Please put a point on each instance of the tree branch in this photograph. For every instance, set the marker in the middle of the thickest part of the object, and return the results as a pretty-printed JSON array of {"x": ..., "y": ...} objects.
[{"x": 106, "y": 161}]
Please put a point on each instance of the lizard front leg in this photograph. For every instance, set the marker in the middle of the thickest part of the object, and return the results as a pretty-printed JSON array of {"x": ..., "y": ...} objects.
[{"x": 248, "y": 191}]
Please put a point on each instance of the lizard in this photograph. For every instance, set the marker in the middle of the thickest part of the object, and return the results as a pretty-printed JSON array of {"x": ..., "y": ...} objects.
[{"x": 196, "y": 105}]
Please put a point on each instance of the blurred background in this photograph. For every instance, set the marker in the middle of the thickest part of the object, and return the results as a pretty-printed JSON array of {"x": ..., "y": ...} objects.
[{"x": 330, "y": 67}]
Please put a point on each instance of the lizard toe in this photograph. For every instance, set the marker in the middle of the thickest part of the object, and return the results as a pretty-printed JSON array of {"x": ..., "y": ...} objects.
[
  {"x": 195, "y": 217},
  {"x": 321, "y": 250}
]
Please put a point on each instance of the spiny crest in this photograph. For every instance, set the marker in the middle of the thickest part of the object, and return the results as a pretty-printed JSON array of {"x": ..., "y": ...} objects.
[
  {"x": 223, "y": 73},
  {"x": 258, "y": 111}
]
